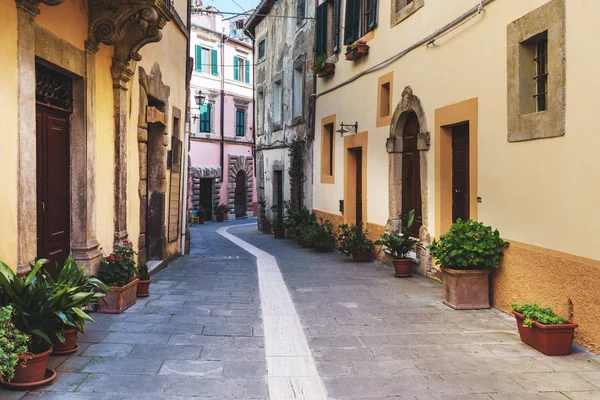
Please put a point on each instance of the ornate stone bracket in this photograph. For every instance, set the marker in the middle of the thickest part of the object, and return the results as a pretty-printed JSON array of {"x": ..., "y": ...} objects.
[{"x": 30, "y": 7}]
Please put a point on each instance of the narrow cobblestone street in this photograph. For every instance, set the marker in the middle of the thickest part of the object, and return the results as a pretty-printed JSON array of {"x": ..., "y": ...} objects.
[{"x": 201, "y": 335}]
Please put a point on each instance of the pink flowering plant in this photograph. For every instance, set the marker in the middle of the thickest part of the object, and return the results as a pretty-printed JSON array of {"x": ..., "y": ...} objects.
[{"x": 119, "y": 267}]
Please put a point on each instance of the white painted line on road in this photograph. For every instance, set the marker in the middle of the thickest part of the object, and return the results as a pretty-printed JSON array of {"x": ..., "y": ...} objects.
[{"x": 292, "y": 372}]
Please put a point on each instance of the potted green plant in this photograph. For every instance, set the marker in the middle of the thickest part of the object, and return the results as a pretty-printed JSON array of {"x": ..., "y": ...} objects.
[
  {"x": 354, "y": 241},
  {"x": 220, "y": 211},
  {"x": 323, "y": 236},
  {"x": 466, "y": 254},
  {"x": 294, "y": 218},
  {"x": 118, "y": 271},
  {"x": 277, "y": 224},
  {"x": 357, "y": 50},
  {"x": 13, "y": 345},
  {"x": 143, "y": 288},
  {"x": 71, "y": 293},
  {"x": 304, "y": 229},
  {"x": 36, "y": 315},
  {"x": 543, "y": 330},
  {"x": 322, "y": 68},
  {"x": 202, "y": 215},
  {"x": 264, "y": 223},
  {"x": 398, "y": 246}
]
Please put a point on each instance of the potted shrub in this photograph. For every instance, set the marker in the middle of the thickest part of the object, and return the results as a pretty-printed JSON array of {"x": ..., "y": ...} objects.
[
  {"x": 543, "y": 330},
  {"x": 277, "y": 224},
  {"x": 357, "y": 50},
  {"x": 264, "y": 223},
  {"x": 13, "y": 345},
  {"x": 143, "y": 287},
  {"x": 323, "y": 236},
  {"x": 353, "y": 241},
  {"x": 220, "y": 211},
  {"x": 72, "y": 292},
  {"x": 322, "y": 68},
  {"x": 36, "y": 314},
  {"x": 466, "y": 254},
  {"x": 117, "y": 271},
  {"x": 397, "y": 247},
  {"x": 202, "y": 215},
  {"x": 294, "y": 218}
]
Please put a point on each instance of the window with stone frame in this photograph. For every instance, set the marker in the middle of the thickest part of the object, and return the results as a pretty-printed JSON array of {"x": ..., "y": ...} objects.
[
  {"x": 402, "y": 9},
  {"x": 277, "y": 103},
  {"x": 298, "y": 91},
  {"x": 300, "y": 11},
  {"x": 537, "y": 74},
  {"x": 262, "y": 49}
]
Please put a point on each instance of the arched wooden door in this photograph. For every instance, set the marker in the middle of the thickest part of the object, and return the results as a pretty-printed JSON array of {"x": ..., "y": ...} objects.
[
  {"x": 240, "y": 194},
  {"x": 411, "y": 173}
]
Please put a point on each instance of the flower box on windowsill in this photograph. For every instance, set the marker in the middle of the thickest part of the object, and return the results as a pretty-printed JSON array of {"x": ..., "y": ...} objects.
[
  {"x": 327, "y": 70},
  {"x": 356, "y": 51}
]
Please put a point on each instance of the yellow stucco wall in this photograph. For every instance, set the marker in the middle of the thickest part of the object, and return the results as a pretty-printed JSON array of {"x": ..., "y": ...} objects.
[
  {"x": 543, "y": 193},
  {"x": 8, "y": 134},
  {"x": 69, "y": 21}
]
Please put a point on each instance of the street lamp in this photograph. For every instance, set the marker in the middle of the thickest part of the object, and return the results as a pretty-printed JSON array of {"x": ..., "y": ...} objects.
[
  {"x": 200, "y": 99},
  {"x": 345, "y": 128}
]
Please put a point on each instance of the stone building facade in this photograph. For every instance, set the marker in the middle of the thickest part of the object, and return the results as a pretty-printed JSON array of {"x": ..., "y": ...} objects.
[{"x": 284, "y": 82}]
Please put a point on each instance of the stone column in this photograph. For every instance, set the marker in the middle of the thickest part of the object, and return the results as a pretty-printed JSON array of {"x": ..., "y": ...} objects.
[
  {"x": 26, "y": 136},
  {"x": 121, "y": 75},
  {"x": 84, "y": 244}
]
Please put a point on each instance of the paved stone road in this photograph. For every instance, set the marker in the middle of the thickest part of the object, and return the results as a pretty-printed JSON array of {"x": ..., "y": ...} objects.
[{"x": 200, "y": 335}]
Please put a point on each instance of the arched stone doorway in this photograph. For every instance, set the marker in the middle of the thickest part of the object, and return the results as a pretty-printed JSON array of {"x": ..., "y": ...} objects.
[
  {"x": 240, "y": 194},
  {"x": 152, "y": 149},
  {"x": 237, "y": 164},
  {"x": 409, "y": 140}
]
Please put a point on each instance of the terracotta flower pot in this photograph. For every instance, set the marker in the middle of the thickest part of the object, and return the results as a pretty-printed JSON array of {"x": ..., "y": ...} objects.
[
  {"x": 220, "y": 217},
  {"x": 143, "y": 288},
  {"x": 201, "y": 221},
  {"x": 119, "y": 299},
  {"x": 466, "y": 289},
  {"x": 402, "y": 267},
  {"x": 361, "y": 256},
  {"x": 302, "y": 242},
  {"x": 68, "y": 347},
  {"x": 552, "y": 340},
  {"x": 328, "y": 69},
  {"x": 279, "y": 233},
  {"x": 33, "y": 371},
  {"x": 306, "y": 244},
  {"x": 266, "y": 226}
]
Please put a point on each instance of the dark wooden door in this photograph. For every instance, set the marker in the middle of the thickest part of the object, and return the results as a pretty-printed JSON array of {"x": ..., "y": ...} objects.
[
  {"x": 278, "y": 194},
  {"x": 411, "y": 174},
  {"x": 359, "y": 186},
  {"x": 53, "y": 200},
  {"x": 460, "y": 172},
  {"x": 206, "y": 197},
  {"x": 240, "y": 194}
]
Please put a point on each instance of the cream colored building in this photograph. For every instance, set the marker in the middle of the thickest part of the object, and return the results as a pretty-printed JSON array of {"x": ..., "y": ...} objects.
[
  {"x": 93, "y": 111},
  {"x": 471, "y": 109}
]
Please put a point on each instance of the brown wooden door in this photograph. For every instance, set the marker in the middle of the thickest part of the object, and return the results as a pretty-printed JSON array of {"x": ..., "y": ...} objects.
[
  {"x": 359, "y": 188},
  {"x": 206, "y": 196},
  {"x": 411, "y": 173},
  {"x": 240, "y": 195},
  {"x": 278, "y": 194},
  {"x": 460, "y": 172},
  {"x": 53, "y": 200}
]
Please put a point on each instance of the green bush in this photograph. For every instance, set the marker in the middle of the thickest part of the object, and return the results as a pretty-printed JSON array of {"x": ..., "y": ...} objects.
[
  {"x": 118, "y": 268},
  {"x": 397, "y": 246},
  {"x": 353, "y": 239},
  {"x": 305, "y": 226},
  {"x": 533, "y": 312},
  {"x": 468, "y": 245},
  {"x": 142, "y": 272},
  {"x": 221, "y": 209},
  {"x": 13, "y": 344},
  {"x": 323, "y": 235}
]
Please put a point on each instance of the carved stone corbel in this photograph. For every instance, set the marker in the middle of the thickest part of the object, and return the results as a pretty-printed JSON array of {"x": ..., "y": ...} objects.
[{"x": 31, "y": 7}]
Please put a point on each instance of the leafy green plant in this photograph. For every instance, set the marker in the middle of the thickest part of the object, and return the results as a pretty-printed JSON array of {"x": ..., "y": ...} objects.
[
  {"x": 353, "y": 239},
  {"x": 262, "y": 207},
  {"x": 319, "y": 63},
  {"x": 142, "y": 272},
  {"x": 118, "y": 268},
  {"x": 36, "y": 307},
  {"x": 323, "y": 235},
  {"x": 13, "y": 345},
  {"x": 202, "y": 213},
  {"x": 468, "y": 245},
  {"x": 305, "y": 226},
  {"x": 221, "y": 209},
  {"x": 355, "y": 45},
  {"x": 295, "y": 218},
  {"x": 397, "y": 246},
  {"x": 70, "y": 293},
  {"x": 532, "y": 312}
]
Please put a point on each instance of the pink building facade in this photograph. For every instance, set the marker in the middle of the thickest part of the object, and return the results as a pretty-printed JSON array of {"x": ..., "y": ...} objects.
[{"x": 222, "y": 129}]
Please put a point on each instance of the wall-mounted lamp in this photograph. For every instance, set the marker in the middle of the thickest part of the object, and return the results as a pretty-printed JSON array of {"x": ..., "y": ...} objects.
[
  {"x": 200, "y": 99},
  {"x": 347, "y": 128}
]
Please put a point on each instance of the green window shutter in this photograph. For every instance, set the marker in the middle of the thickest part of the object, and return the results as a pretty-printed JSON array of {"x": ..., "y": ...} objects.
[
  {"x": 352, "y": 21},
  {"x": 321, "y": 30},
  {"x": 198, "y": 58},
  {"x": 371, "y": 14},
  {"x": 247, "y": 71},
  {"x": 236, "y": 69},
  {"x": 337, "y": 6},
  {"x": 215, "y": 68}
]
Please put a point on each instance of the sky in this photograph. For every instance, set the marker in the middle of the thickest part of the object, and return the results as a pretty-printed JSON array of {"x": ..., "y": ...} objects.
[{"x": 230, "y": 6}]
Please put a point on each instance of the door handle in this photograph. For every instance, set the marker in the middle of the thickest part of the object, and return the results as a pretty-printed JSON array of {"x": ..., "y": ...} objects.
[
  {"x": 43, "y": 207},
  {"x": 456, "y": 190}
]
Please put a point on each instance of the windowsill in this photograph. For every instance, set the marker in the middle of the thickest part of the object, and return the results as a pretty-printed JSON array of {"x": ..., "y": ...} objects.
[
  {"x": 277, "y": 127},
  {"x": 297, "y": 120},
  {"x": 329, "y": 179}
]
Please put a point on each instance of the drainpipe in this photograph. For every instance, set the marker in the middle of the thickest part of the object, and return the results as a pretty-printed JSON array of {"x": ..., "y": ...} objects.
[
  {"x": 186, "y": 142},
  {"x": 222, "y": 107}
]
